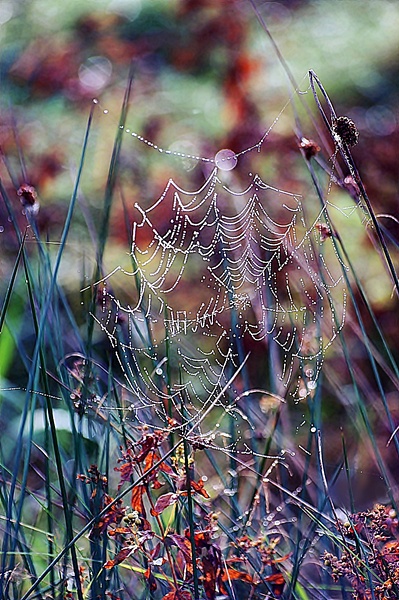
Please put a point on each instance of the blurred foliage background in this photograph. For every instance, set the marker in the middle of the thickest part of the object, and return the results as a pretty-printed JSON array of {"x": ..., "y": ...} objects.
[{"x": 206, "y": 77}]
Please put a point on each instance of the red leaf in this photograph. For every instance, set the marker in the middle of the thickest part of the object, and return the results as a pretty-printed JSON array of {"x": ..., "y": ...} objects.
[
  {"x": 183, "y": 595},
  {"x": 145, "y": 536},
  {"x": 118, "y": 531},
  {"x": 152, "y": 584},
  {"x": 281, "y": 558},
  {"x": 232, "y": 574},
  {"x": 181, "y": 542},
  {"x": 145, "y": 525},
  {"x": 120, "y": 557},
  {"x": 165, "y": 468},
  {"x": 149, "y": 442},
  {"x": 113, "y": 515},
  {"x": 199, "y": 488},
  {"x": 152, "y": 458},
  {"x": 163, "y": 502},
  {"x": 178, "y": 595},
  {"x": 183, "y": 573},
  {"x": 202, "y": 538},
  {"x": 278, "y": 583},
  {"x": 156, "y": 551},
  {"x": 126, "y": 471},
  {"x": 276, "y": 578},
  {"x": 137, "y": 499},
  {"x": 209, "y": 570}
]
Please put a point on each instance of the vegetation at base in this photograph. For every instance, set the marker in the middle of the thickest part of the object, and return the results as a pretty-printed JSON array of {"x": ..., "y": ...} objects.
[{"x": 144, "y": 457}]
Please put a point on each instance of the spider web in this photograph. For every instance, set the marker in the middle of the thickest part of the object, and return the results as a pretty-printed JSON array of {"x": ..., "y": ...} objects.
[{"x": 221, "y": 276}]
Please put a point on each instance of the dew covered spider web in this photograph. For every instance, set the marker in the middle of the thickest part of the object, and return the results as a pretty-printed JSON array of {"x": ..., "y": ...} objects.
[{"x": 224, "y": 278}]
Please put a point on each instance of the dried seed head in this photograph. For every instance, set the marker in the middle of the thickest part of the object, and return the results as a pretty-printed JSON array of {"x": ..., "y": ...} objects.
[
  {"x": 345, "y": 129},
  {"x": 27, "y": 194},
  {"x": 28, "y": 198}
]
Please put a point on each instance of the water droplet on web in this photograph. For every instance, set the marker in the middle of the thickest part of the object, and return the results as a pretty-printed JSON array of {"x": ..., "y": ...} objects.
[
  {"x": 226, "y": 159},
  {"x": 313, "y": 429},
  {"x": 158, "y": 371},
  {"x": 1, "y": 228}
]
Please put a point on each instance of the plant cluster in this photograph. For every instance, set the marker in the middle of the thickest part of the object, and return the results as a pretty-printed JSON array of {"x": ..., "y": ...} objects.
[
  {"x": 184, "y": 425},
  {"x": 162, "y": 548}
]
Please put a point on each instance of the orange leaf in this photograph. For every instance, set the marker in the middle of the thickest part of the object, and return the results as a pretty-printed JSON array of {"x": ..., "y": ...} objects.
[
  {"x": 202, "y": 538},
  {"x": 183, "y": 543},
  {"x": 178, "y": 595},
  {"x": 276, "y": 578},
  {"x": 199, "y": 488},
  {"x": 126, "y": 471},
  {"x": 278, "y": 583},
  {"x": 281, "y": 558},
  {"x": 137, "y": 499},
  {"x": 118, "y": 531},
  {"x": 234, "y": 574},
  {"x": 230, "y": 575},
  {"x": 120, "y": 557},
  {"x": 152, "y": 584},
  {"x": 152, "y": 458},
  {"x": 113, "y": 515},
  {"x": 209, "y": 569}
]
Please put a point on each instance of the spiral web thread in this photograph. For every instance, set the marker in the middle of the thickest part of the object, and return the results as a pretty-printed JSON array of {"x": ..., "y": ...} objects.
[{"x": 221, "y": 276}]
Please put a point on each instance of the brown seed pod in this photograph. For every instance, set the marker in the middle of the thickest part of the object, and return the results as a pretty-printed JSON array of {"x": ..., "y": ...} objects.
[
  {"x": 27, "y": 194},
  {"x": 345, "y": 128}
]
